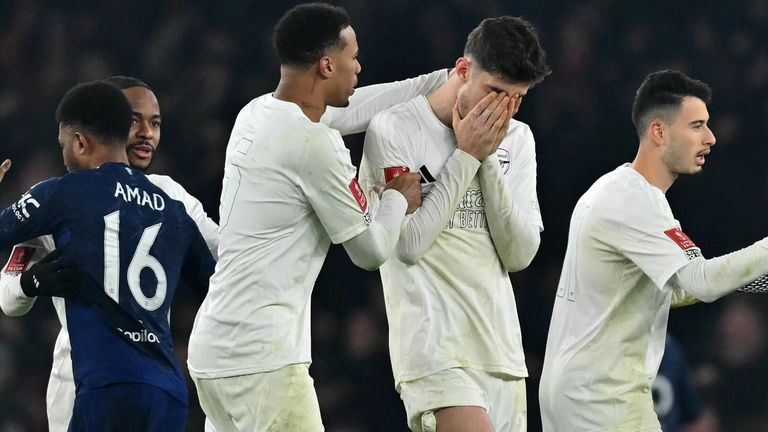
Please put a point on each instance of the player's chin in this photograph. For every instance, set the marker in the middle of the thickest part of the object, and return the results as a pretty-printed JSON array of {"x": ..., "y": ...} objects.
[{"x": 138, "y": 163}]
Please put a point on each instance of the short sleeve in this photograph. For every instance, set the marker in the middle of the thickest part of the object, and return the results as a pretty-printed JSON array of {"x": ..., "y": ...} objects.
[
  {"x": 653, "y": 239},
  {"x": 328, "y": 179},
  {"x": 382, "y": 152}
]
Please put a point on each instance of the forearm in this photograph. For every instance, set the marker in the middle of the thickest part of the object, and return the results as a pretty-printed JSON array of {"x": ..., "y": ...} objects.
[
  {"x": 515, "y": 238},
  {"x": 13, "y": 302},
  {"x": 371, "y": 248},
  {"x": 425, "y": 224},
  {"x": 710, "y": 279},
  {"x": 370, "y": 100}
]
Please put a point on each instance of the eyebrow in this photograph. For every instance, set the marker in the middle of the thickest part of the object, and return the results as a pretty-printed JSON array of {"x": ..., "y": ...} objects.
[{"x": 153, "y": 116}]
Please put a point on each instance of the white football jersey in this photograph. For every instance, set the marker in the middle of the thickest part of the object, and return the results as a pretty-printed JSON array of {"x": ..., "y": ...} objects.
[
  {"x": 455, "y": 306},
  {"x": 609, "y": 322},
  {"x": 289, "y": 190}
]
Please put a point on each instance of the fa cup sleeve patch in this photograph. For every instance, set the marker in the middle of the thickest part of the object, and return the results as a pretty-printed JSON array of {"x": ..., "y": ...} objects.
[
  {"x": 357, "y": 192},
  {"x": 392, "y": 172},
  {"x": 686, "y": 244},
  {"x": 19, "y": 260}
]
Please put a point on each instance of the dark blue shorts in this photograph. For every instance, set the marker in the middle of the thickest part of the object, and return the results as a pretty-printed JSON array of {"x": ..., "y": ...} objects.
[{"x": 127, "y": 407}]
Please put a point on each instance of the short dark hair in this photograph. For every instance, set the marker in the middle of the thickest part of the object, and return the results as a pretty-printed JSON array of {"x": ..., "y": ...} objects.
[
  {"x": 662, "y": 93},
  {"x": 98, "y": 107},
  {"x": 126, "y": 82},
  {"x": 509, "y": 47},
  {"x": 305, "y": 32}
]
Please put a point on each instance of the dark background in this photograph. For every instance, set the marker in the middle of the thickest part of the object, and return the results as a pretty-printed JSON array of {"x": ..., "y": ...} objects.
[{"x": 206, "y": 59}]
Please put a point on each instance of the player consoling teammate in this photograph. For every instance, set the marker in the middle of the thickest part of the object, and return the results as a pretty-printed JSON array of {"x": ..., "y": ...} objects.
[
  {"x": 627, "y": 261},
  {"x": 132, "y": 244}
]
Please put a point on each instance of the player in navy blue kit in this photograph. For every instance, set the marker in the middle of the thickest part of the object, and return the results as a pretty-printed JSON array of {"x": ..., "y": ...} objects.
[{"x": 133, "y": 244}]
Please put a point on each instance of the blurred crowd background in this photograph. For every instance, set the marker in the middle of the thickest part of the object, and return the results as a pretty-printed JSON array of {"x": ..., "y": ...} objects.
[{"x": 206, "y": 59}]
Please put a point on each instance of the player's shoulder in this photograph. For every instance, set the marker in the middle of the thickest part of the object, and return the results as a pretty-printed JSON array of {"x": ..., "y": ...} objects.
[
  {"x": 167, "y": 184},
  {"x": 405, "y": 115},
  {"x": 625, "y": 192}
]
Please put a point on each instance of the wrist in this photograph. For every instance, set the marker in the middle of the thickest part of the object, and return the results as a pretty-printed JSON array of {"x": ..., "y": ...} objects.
[{"x": 29, "y": 284}]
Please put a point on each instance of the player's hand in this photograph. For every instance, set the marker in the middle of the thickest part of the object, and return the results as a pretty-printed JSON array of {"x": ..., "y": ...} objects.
[
  {"x": 477, "y": 133},
  {"x": 513, "y": 107},
  {"x": 409, "y": 185},
  {"x": 51, "y": 277},
  {"x": 4, "y": 167}
]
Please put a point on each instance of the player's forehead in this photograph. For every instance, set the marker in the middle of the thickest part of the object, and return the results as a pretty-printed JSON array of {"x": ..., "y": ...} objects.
[
  {"x": 499, "y": 83},
  {"x": 692, "y": 109},
  {"x": 349, "y": 37},
  {"x": 142, "y": 100}
]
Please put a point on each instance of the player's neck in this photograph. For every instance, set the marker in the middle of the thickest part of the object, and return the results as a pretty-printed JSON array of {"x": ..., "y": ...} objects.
[
  {"x": 653, "y": 169},
  {"x": 108, "y": 155},
  {"x": 302, "y": 88},
  {"x": 442, "y": 100}
]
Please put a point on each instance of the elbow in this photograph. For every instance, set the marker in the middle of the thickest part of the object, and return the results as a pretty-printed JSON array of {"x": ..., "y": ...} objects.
[
  {"x": 518, "y": 258},
  {"x": 517, "y": 263},
  {"x": 409, "y": 257},
  {"x": 13, "y": 311},
  {"x": 369, "y": 263},
  {"x": 707, "y": 297}
]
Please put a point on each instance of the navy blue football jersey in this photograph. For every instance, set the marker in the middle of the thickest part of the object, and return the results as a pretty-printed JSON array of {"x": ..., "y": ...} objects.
[{"x": 134, "y": 244}]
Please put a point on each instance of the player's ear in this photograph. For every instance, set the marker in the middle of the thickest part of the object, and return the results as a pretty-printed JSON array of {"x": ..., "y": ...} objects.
[
  {"x": 81, "y": 144},
  {"x": 463, "y": 66},
  {"x": 657, "y": 131},
  {"x": 325, "y": 67}
]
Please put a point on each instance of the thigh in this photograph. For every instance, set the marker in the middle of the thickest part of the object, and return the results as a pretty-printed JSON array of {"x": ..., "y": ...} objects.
[
  {"x": 507, "y": 400},
  {"x": 283, "y": 400},
  {"x": 129, "y": 407}
]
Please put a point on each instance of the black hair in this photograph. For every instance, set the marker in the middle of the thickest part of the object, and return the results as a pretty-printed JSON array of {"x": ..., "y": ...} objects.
[
  {"x": 98, "y": 107},
  {"x": 126, "y": 82},
  {"x": 661, "y": 95},
  {"x": 509, "y": 47},
  {"x": 306, "y": 32}
]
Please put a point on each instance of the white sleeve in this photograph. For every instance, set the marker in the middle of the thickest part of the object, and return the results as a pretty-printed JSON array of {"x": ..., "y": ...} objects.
[
  {"x": 208, "y": 228},
  {"x": 375, "y": 245},
  {"x": 511, "y": 204},
  {"x": 328, "y": 180},
  {"x": 710, "y": 279},
  {"x": 13, "y": 301},
  {"x": 423, "y": 226},
  {"x": 370, "y": 100},
  {"x": 650, "y": 236}
]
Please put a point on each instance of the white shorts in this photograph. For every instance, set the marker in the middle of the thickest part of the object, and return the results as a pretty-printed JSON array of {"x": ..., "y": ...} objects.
[
  {"x": 283, "y": 400},
  {"x": 502, "y": 396},
  {"x": 60, "y": 395}
]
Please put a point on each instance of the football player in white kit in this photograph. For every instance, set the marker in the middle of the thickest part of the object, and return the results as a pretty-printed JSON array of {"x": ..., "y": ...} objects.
[
  {"x": 454, "y": 333},
  {"x": 627, "y": 262},
  {"x": 143, "y": 140},
  {"x": 290, "y": 190}
]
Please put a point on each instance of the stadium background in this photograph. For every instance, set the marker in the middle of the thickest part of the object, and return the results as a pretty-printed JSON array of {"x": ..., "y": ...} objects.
[{"x": 205, "y": 60}]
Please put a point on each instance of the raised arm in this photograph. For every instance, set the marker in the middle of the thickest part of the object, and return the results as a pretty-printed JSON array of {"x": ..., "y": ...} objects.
[
  {"x": 710, "y": 279},
  {"x": 385, "y": 148},
  {"x": 511, "y": 204},
  {"x": 370, "y": 100}
]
